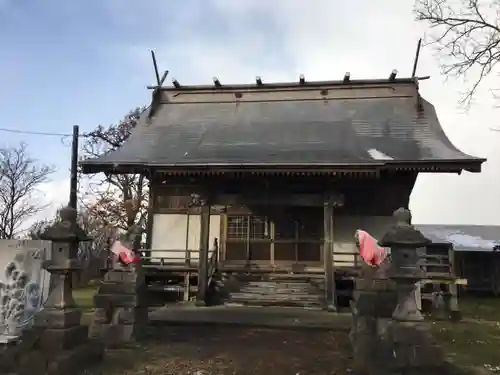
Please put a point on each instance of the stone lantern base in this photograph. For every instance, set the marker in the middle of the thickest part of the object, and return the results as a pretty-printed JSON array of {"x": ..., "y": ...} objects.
[
  {"x": 413, "y": 346},
  {"x": 388, "y": 334},
  {"x": 382, "y": 345},
  {"x": 121, "y": 313}
]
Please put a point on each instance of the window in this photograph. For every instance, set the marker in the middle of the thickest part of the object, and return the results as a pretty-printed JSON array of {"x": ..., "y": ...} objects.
[
  {"x": 248, "y": 238},
  {"x": 237, "y": 227},
  {"x": 289, "y": 238}
]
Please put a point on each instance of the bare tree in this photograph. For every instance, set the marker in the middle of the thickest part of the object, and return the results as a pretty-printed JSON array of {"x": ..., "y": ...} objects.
[
  {"x": 97, "y": 231},
  {"x": 467, "y": 36},
  {"x": 92, "y": 254},
  {"x": 117, "y": 200},
  {"x": 20, "y": 177},
  {"x": 36, "y": 229}
]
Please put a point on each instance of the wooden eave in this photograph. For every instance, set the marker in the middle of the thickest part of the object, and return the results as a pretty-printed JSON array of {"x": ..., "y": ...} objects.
[{"x": 445, "y": 166}]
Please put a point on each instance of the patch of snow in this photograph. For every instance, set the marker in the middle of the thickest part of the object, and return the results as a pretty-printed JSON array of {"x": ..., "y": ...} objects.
[
  {"x": 378, "y": 155},
  {"x": 467, "y": 241},
  {"x": 463, "y": 241}
]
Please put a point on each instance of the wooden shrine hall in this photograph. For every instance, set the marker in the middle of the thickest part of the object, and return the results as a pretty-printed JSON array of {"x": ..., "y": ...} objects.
[{"x": 259, "y": 188}]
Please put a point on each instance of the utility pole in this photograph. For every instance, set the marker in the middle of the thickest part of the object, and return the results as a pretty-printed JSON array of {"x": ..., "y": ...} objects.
[{"x": 74, "y": 168}]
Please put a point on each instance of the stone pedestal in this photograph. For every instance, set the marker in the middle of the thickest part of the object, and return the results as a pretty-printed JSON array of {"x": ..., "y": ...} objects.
[
  {"x": 414, "y": 347},
  {"x": 121, "y": 310},
  {"x": 374, "y": 302}
]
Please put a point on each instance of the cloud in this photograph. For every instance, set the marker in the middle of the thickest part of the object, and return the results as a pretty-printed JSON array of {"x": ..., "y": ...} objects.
[
  {"x": 53, "y": 194},
  {"x": 278, "y": 40}
]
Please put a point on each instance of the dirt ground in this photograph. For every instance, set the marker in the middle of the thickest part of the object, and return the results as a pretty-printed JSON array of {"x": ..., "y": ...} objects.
[
  {"x": 471, "y": 344},
  {"x": 231, "y": 350}
]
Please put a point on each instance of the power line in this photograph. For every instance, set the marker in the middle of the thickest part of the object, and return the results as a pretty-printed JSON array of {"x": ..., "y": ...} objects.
[{"x": 40, "y": 133}]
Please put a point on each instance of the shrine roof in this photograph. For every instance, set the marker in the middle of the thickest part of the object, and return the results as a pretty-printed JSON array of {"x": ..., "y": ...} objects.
[{"x": 331, "y": 125}]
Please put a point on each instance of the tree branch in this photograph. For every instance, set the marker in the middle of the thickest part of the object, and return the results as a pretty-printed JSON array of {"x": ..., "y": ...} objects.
[
  {"x": 20, "y": 177},
  {"x": 467, "y": 35},
  {"x": 118, "y": 200}
]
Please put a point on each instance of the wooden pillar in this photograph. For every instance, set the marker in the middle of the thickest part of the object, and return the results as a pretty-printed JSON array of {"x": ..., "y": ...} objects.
[
  {"x": 151, "y": 211},
  {"x": 328, "y": 246},
  {"x": 201, "y": 296},
  {"x": 453, "y": 307}
]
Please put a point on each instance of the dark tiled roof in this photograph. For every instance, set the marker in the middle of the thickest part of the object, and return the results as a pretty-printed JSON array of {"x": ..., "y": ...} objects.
[
  {"x": 354, "y": 126},
  {"x": 464, "y": 237}
]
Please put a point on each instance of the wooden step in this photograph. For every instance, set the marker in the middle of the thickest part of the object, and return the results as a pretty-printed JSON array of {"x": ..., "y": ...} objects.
[{"x": 293, "y": 290}]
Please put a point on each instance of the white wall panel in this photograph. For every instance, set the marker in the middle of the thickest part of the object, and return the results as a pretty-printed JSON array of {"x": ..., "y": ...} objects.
[{"x": 180, "y": 231}]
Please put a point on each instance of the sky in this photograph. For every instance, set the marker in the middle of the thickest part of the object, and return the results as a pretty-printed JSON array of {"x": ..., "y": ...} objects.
[{"x": 88, "y": 63}]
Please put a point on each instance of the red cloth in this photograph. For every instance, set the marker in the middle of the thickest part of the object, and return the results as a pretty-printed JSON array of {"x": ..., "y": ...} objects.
[
  {"x": 369, "y": 250},
  {"x": 125, "y": 254}
]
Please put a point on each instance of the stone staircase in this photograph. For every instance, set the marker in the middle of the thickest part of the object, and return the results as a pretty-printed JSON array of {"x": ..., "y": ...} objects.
[{"x": 286, "y": 290}]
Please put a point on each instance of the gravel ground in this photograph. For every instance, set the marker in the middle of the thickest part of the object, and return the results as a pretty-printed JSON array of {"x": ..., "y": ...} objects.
[{"x": 231, "y": 350}]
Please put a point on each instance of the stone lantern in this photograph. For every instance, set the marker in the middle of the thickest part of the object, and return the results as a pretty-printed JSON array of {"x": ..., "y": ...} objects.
[
  {"x": 63, "y": 340},
  {"x": 65, "y": 236},
  {"x": 407, "y": 246}
]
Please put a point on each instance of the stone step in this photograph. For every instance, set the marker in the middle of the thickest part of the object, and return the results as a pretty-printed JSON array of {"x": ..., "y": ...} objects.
[
  {"x": 279, "y": 303},
  {"x": 246, "y": 296},
  {"x": 278, "y": 291},
  {"x": 281, "y": 278},
  {"x": 281, "y": 283}
]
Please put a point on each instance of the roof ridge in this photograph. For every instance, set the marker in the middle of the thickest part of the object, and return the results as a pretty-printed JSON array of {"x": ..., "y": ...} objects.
[{"x": 277, "y": 85}]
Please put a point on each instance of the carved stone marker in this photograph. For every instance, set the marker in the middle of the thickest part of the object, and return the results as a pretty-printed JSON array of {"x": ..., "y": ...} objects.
[
  {"x": 121, "y": 313},
  {"x": 388, "y": 333}
]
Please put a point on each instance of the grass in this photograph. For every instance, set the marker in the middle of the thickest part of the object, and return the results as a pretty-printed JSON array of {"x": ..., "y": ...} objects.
[
  {"x": 84, "y": 297},
  {"x": 473, "y": 342}
]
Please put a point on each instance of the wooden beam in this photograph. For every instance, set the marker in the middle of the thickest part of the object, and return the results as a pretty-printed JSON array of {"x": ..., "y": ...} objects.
[
  {"x": 328, "y": 247},
  {"x": 275, "y": 199}
]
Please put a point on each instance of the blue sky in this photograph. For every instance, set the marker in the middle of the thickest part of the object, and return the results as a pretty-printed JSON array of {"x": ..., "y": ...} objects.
[
  {"x": 67, "y": 63},
  {"x": 88, "y": 62},
  {"x": 57, "y": 74}
]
